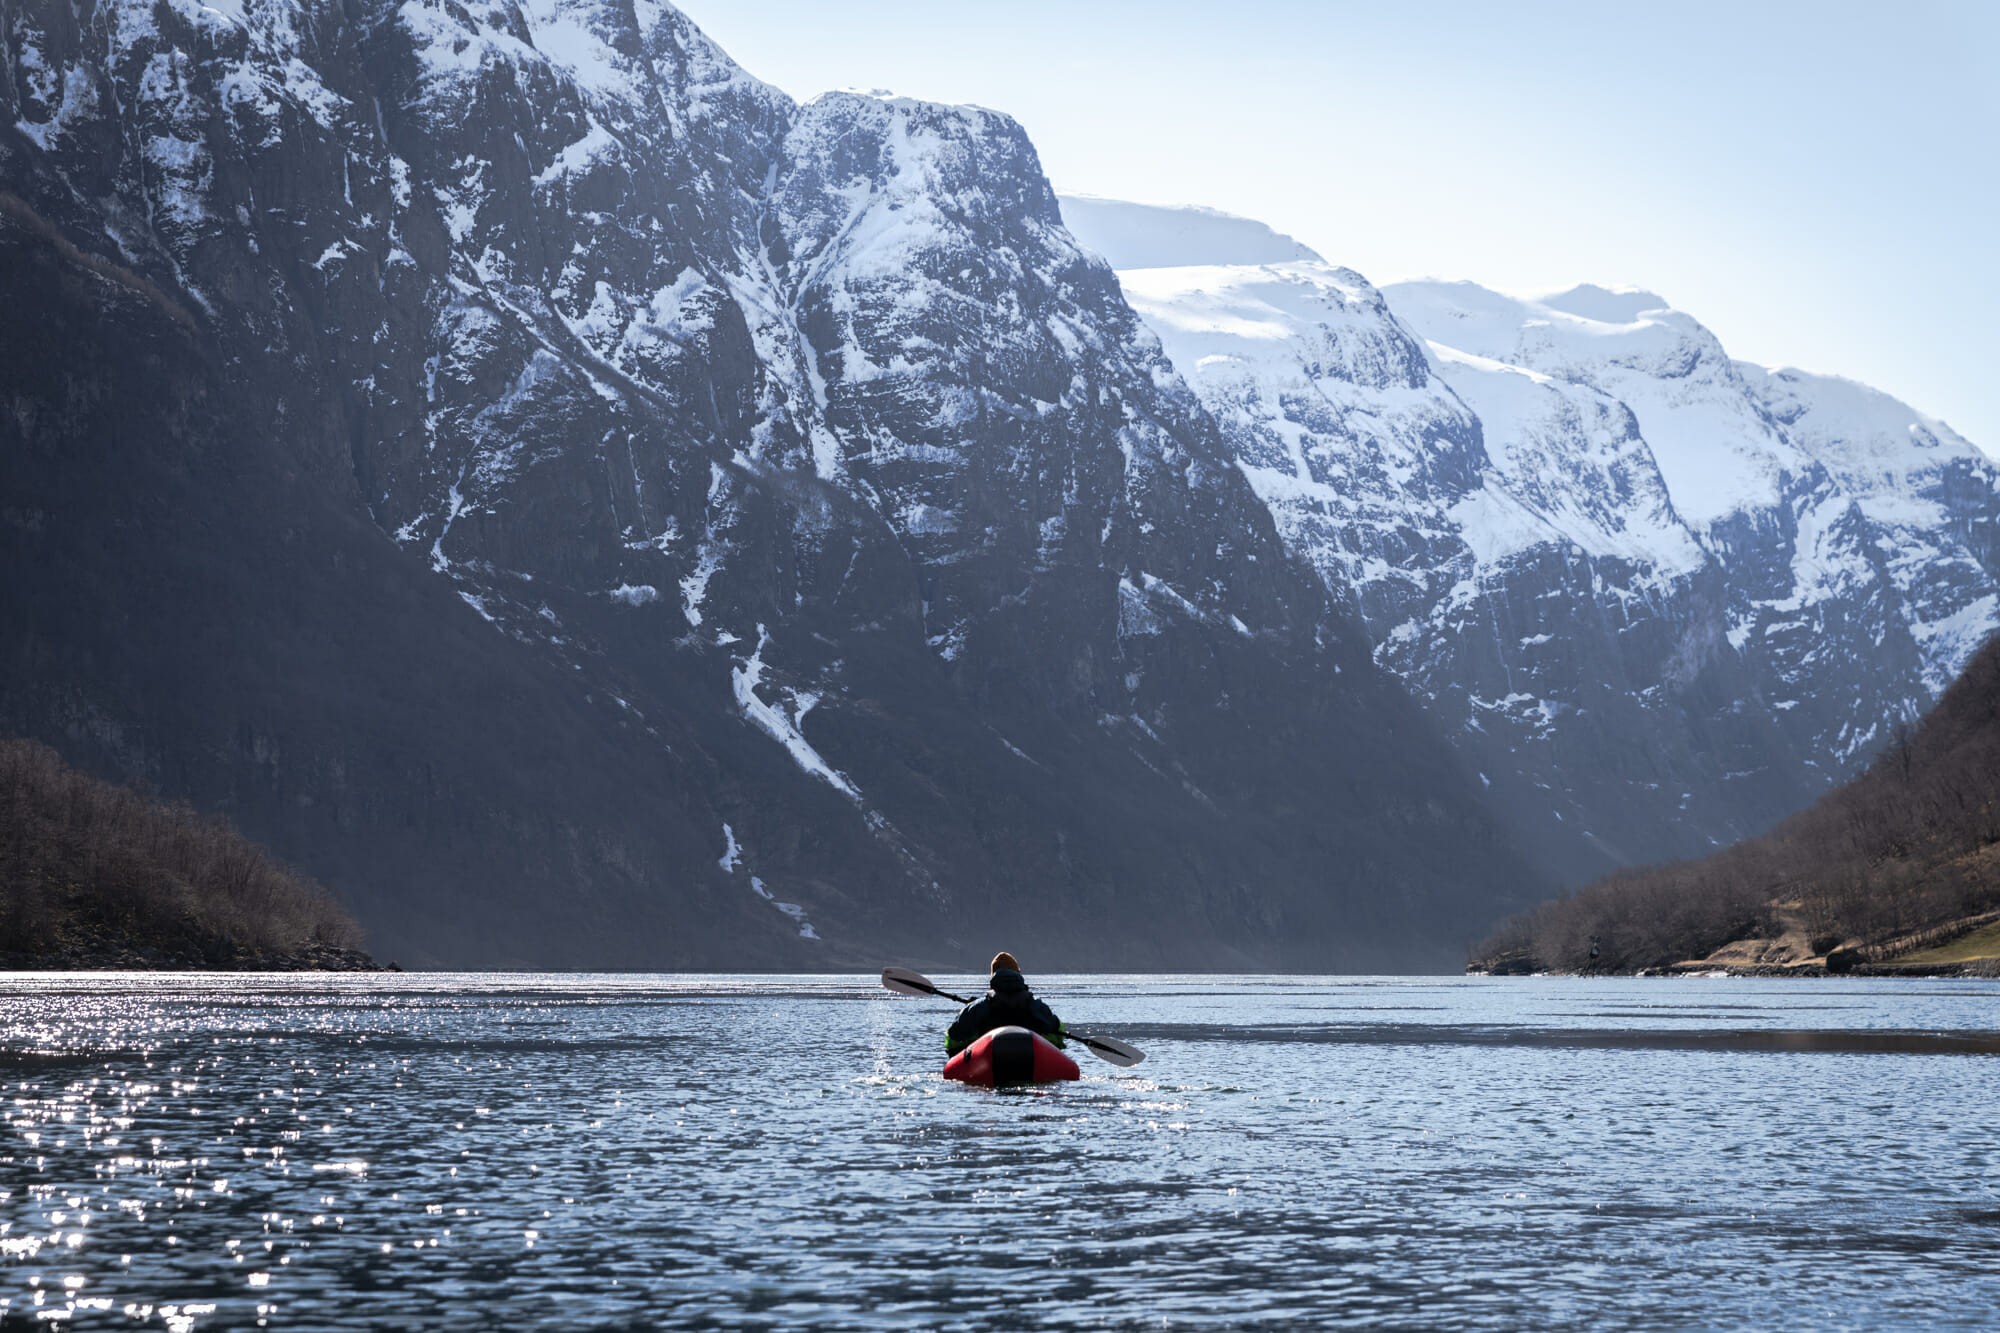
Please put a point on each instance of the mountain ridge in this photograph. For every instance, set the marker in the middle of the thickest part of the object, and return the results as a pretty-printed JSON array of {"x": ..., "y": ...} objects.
[{"x": 1630, "y": 575}]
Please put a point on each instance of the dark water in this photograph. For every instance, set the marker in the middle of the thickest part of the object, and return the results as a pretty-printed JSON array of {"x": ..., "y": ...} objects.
[{"x": 740, "y": 1152}]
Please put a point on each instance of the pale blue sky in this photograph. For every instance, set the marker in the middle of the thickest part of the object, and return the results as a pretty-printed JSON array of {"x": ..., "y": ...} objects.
[{"x": 1817, "y": 182}]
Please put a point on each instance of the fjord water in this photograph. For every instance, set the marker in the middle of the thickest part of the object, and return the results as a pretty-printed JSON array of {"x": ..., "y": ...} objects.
[{"x": 757, "y": 1152}]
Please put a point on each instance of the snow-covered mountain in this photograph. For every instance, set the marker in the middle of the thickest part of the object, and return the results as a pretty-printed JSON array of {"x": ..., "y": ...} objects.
[
  {"x": 1660, "y": 597},
  {"x": 599, "y": 511}
]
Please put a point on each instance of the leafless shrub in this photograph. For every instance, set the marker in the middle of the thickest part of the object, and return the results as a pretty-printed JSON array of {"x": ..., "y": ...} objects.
[{"x": 79, "y": 853}]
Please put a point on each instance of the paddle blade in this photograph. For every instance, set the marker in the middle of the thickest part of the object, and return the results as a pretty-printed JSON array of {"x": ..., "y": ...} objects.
[
  {"x": 905, "y": 982},
  {"x": 1111, "y": 1050}
]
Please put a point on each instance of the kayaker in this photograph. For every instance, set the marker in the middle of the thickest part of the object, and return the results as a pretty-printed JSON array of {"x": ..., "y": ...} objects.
[{"x": 1007, "y": 1003}]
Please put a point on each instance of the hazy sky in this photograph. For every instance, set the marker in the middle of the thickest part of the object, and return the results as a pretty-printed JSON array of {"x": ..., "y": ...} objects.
[{"x": 1818, "y": 182}]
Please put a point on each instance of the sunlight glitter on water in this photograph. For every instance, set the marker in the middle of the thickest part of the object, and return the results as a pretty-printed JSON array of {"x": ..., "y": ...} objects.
[{"x": 745, "y": 1152}]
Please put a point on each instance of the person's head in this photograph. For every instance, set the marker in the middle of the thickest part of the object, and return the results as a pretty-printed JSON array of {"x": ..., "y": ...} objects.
[{"x": 1003, "y": 959}]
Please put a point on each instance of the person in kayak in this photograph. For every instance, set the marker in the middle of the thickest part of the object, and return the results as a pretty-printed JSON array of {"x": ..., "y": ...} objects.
[{"x": 1007, "y": 1003}]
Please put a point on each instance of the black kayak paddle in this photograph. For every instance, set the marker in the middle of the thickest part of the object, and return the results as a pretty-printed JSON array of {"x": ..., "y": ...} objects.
[{"x": 1109, "y": 1049}]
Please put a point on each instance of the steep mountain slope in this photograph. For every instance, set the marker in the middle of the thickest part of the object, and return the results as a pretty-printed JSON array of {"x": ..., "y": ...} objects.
[
  {"x": 599, "y": 512},
  {"x": 1854, "y": 595},
  {"x": 1661, "y": 598}
]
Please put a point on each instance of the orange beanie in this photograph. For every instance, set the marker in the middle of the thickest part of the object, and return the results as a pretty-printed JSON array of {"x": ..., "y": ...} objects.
[{"x": 1003, "y": 959}]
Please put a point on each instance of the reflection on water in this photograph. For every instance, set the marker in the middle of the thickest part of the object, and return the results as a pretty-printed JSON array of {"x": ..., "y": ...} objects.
[{"x": 730, "y": 1152}]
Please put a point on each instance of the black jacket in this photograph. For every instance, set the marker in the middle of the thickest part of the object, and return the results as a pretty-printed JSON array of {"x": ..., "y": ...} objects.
[{"x": 1007, "y": 1003}]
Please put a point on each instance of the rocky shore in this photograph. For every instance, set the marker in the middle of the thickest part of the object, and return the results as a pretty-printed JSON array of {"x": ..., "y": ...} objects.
[
  {"x": 1982, "y": 967},
  {"x": 326, "y": 959},
  {"x": 87, "y": 950}
]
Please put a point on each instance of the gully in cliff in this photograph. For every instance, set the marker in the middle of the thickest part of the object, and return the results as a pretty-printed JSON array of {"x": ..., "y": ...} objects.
[{"x": 1009, "y": 1036}]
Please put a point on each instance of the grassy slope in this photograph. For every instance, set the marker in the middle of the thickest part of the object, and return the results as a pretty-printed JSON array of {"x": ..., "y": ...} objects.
[
  {"x": 1983, "y": 942},
  {"x": 92, "y": 875},
  {"x": 1898, "y": 862}
]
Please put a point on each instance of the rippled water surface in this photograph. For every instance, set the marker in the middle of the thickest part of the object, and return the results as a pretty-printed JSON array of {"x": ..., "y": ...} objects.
[{"x": 753, "y": 1152}]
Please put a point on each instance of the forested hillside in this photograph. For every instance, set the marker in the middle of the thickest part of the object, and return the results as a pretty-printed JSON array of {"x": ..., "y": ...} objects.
[{"x": 1897, "y": 862}]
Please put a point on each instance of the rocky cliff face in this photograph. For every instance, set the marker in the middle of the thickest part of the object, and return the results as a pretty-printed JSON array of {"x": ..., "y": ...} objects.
[
  {"x": 1660, "y": 597},
  {"x": 599, "y": 512}
]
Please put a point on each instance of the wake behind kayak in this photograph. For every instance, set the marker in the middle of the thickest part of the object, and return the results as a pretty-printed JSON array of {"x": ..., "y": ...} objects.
[{"x": 1010, "y": 1055}]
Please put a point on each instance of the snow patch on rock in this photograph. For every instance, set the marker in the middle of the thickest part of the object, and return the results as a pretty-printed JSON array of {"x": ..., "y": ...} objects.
[{"x": 783, "y": 727}]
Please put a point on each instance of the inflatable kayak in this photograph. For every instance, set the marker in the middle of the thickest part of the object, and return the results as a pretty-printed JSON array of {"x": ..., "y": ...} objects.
[{"x": 1010, "y": 1055}]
